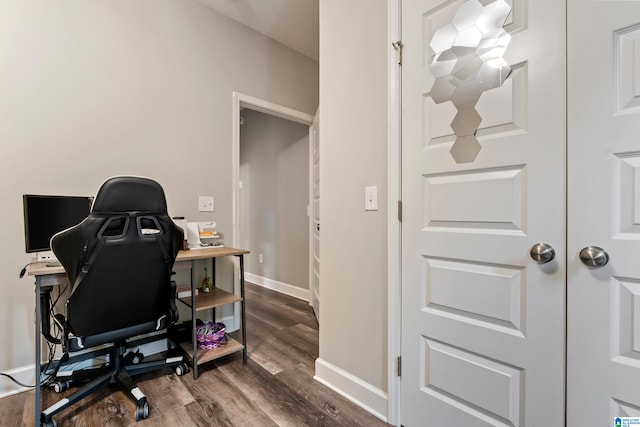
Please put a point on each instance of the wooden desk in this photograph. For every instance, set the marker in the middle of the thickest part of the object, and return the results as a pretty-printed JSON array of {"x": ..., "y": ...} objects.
[{"x": 55, "y": 276}]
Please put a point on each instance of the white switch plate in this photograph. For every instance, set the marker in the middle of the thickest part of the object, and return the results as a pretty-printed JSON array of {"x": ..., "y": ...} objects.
[
  {"x": 206, "y": 204},
  {"x": 371, "y": 198}
]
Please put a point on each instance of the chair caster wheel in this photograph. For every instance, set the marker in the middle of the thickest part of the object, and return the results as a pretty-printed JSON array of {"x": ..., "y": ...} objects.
[
  {"x": 181, "y": 369},
  {"x": 142, "y": 412},
  {"x": 51, "y": 423},
  {"x": 60, "y": 386},
  {"x": 133, "y": 358}
]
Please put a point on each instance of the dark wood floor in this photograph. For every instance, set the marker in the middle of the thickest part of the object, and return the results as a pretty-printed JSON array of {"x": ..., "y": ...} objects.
[{"x": 274, "y": 388}]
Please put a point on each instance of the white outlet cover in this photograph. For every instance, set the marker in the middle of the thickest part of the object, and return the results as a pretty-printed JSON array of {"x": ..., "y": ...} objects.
[
  {"x": 371, "y": 198},
  {"x": 206, "y": 204}
]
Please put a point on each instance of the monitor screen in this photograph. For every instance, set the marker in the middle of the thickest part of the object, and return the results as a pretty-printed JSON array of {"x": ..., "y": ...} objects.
[{"x": 45, "y": 216}]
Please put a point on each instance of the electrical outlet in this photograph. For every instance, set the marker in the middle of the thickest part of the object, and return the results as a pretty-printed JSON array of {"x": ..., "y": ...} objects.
[
  {"x": 206, "y": 204},
  {"x": 260, "y": 258}
]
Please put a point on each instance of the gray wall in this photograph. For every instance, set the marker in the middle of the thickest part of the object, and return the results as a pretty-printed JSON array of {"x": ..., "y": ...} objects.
[
  {"x": 353, "y": 155},
  {"x": 93, "y": 88},
  {"x": 274, "y": 170}
]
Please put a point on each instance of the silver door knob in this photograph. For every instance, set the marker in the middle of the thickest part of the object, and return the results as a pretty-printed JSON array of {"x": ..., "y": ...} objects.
[
  {"x": 542, "y": 253},
  {"x": 594, "y": 257}
]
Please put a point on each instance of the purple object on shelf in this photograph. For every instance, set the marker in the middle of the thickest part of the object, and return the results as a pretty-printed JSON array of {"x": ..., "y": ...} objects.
[{"x": 211, "y": 335}]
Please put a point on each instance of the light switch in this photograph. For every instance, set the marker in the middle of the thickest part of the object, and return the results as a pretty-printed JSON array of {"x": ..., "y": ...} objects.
[
  {"x": 206, "y": 204},
  {"x": 371, "y": 198}
]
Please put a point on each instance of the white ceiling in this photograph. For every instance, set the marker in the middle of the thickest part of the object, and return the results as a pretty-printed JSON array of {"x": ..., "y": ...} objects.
[{"x": 293, "y": 23}]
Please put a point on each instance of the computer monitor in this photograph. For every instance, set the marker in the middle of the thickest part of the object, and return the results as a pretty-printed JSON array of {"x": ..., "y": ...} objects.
[{"x": 45, "y": 216}]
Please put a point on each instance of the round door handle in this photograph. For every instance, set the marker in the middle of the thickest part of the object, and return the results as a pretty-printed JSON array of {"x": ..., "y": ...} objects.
[
  {"x": 594, "y": 257},
  {"x": 542, "y": 253}
]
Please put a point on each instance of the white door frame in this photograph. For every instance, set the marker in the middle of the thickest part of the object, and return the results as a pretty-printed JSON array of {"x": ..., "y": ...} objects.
[
  {"x": 394, "y": 187},
  {"x": 314, "y": 286},
  {"x": 241, "y": 101}
]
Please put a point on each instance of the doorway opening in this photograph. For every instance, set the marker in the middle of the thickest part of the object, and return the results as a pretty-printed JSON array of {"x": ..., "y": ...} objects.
[{"x": 272, "y": 175}]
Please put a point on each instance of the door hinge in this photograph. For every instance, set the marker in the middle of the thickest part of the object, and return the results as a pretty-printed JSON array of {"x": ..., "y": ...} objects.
[
  {"x": 399, "y": 365},
  {"x": 398, "y": 47},
  {"x": 400, "y": 210}
]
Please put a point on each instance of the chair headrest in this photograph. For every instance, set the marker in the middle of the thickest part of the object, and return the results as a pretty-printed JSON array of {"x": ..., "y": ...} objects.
[{"x": 130, "y": 193}]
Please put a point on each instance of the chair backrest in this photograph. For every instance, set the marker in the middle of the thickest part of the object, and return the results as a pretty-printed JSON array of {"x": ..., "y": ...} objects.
[{"x": 119, "y": 259}]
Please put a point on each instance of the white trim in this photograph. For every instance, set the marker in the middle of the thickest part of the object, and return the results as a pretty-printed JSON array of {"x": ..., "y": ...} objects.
[
  {"x": 229, "y": 322},
  {"x": 24, "y": 374},
  {"x": 310, "y": 211},
  {"x": 394, "y": 230},
  {"x": 314, "y": 298},
  {"x": 270, "y": 108},
  {"x": 368, "y": 397},
  {"x": 283, "y": 288}
]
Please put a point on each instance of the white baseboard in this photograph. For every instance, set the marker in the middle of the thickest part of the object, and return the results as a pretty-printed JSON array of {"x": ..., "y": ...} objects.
[
  {"x": 27, "y": 374},
  {"x": 229, "y": 322},
  {"x": 368, "y": 397},
  {"x": 283, "y": 288}
]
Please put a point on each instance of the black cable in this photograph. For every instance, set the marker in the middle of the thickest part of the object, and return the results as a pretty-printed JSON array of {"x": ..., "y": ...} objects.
[
  {"x": 16, "y": 381},
  {"x": 24, "y": 269},
  {"x": 51, "y": 346},
  {"x": 46, "y": 368},
  {"x": 60, "y": 293},
  {"x": 51, "y": 351}
]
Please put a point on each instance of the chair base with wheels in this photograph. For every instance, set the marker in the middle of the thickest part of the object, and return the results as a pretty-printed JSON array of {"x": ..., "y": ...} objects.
[{"x": 119, "y": 372}]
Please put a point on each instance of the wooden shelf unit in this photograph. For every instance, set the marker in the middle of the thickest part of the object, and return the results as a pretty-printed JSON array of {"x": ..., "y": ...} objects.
[{"x": 209, "y": 301}]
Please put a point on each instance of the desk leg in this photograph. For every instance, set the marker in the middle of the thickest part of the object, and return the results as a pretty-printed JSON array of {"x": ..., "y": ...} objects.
[
  {"x": 243, "y": 306},
  {"x": 38, "y": 356},
  {"x": 194, "y": 342}
]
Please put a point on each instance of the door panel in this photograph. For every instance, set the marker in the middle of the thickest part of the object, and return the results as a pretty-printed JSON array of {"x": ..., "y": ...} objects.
[
  {"x": 483, "y": 325},
  {"x": 603, "y": 339}
]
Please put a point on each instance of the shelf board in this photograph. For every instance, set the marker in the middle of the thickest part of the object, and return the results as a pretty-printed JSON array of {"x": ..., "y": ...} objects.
[
  {"x": 214, "y": 298},
  {"x": 205, "y": 356}
]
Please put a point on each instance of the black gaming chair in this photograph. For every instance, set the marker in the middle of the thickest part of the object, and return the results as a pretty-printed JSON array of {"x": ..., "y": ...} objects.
[{"x": 118, "y": 262}]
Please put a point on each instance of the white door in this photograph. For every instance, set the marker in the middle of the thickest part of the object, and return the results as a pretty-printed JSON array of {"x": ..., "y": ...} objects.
[
  {"x": 315, "y": 215},
  {"x": 603, "y": 337},
  {"x": 483, "y": 324}
]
